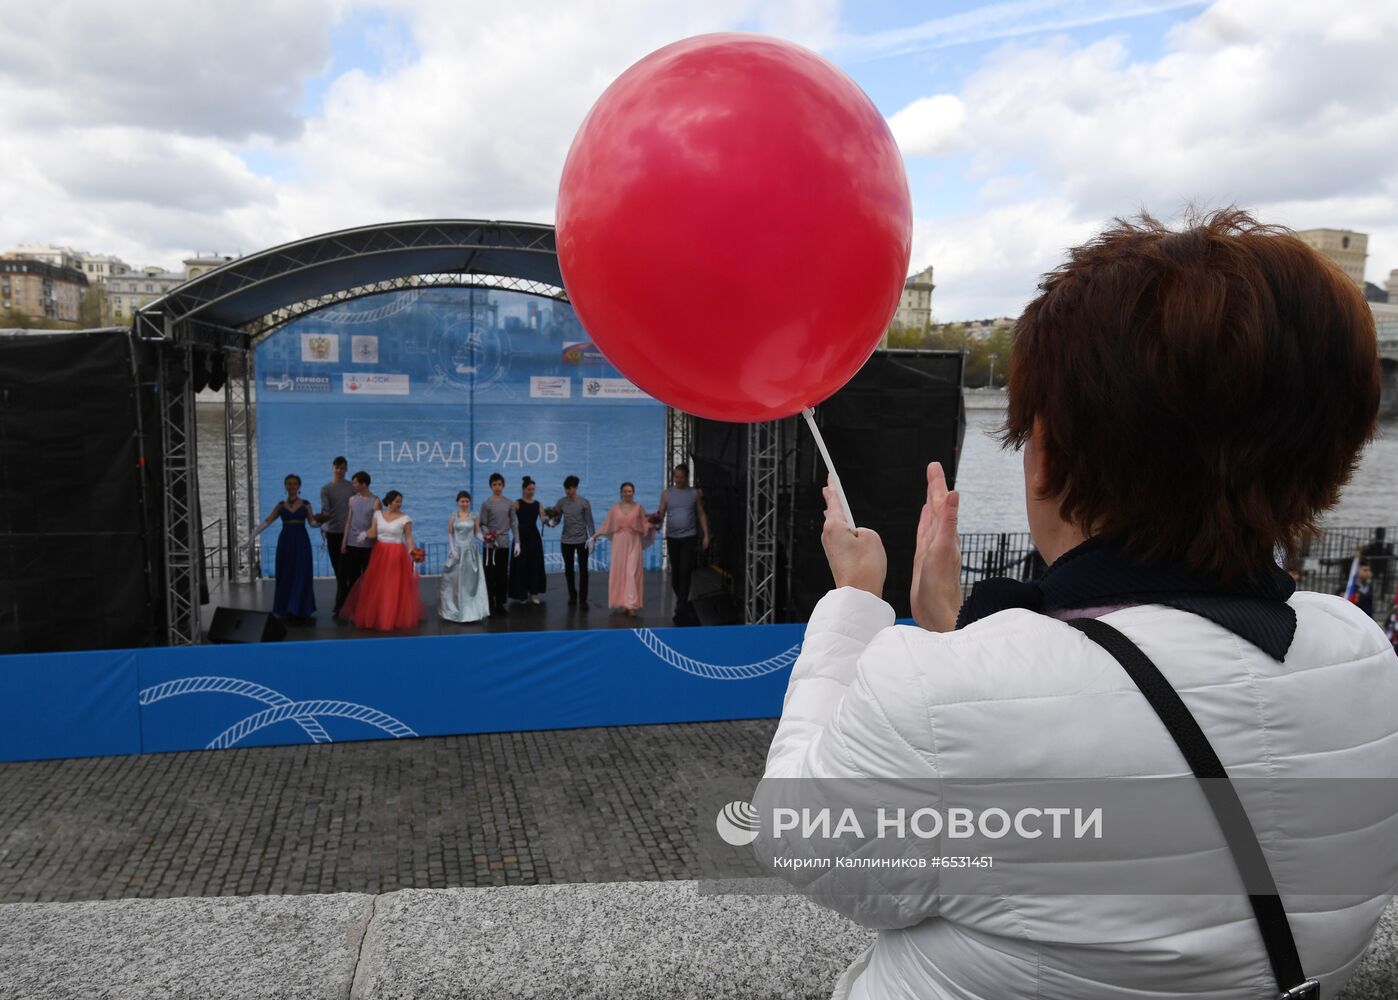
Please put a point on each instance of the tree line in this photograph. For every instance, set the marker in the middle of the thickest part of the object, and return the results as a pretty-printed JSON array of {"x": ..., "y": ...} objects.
[{"x": 984, "y": 351}]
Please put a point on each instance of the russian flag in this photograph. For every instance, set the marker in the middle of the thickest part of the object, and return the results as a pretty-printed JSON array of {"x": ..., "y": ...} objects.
[{"x": 1352, "y": 588}]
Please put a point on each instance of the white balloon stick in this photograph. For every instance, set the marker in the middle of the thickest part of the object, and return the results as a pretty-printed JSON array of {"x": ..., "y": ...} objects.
[{"x": 809, "y": 414}]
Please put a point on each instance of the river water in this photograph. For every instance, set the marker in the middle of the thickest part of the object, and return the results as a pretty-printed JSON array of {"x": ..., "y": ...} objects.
[
  {"x": 991, "y": 481},
  {"x": 990, "y": 478}
]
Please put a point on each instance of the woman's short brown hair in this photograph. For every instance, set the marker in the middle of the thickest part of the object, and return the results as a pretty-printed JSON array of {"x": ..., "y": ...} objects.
[{"x": 1202, "y": 395}]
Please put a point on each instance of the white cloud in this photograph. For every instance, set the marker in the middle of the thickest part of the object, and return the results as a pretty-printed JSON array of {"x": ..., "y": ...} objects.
[
  {"x": 131, "y": 129},
  {"x": 219, "y": 69},
  {"x": 143, "y": 167},
  {"x": 479, "y": 124},
  {"x": 127, "y": 129},
  {"x": 988, "y": 263},
  {"x": 120, "y": 125},
  {"x": 930, "y": 126},
  {"x": 1284, "y": 109}
]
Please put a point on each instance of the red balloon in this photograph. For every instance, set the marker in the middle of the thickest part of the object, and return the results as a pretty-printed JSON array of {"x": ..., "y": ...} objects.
[{"x": 734, "y": 226}]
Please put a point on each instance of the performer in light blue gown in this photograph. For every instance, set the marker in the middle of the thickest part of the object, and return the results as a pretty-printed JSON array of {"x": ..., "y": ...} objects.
[{"x": 463, "y": 596}]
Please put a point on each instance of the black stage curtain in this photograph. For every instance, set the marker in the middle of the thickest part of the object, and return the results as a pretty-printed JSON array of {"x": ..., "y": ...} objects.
[
  {"x": 899, "y": 412},
  {"x": 79, "y": 519}
]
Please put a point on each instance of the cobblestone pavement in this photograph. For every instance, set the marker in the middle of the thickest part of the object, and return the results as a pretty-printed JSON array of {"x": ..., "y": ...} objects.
[{"x": 584, "y": 805}]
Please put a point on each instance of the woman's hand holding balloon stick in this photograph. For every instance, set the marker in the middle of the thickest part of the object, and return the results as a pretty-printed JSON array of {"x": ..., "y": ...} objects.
[{"x": 856, "y": 555}]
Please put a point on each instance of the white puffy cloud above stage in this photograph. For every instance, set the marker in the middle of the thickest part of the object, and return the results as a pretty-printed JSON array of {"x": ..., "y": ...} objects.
[
  {"x": 478, "y": 122},
  {"x": 155, "y": 130},
  {"x": 1282, "y": 108}
]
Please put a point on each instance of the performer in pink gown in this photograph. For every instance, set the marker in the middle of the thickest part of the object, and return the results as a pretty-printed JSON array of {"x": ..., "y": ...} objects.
[{"x": 631, "y": 533}]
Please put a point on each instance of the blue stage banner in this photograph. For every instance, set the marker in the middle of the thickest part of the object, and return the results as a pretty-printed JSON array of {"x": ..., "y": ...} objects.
[
  {"x": 106, "y": 702},
  {"x": 432, "y": 390},
  {"x": 319, "y": 692},
  {"x": 69, "y": 705}
]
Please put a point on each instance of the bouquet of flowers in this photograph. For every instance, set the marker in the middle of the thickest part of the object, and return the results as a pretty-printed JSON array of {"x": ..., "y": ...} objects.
[
  {"x": 655, "y": 519},
  {"x": 552, "y": 516},
  {"x": 418, "y": 554},
  {"x": 490, "y": 536}
]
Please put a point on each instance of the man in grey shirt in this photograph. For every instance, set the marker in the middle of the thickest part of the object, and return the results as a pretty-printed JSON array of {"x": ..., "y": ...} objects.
[
  {"x": 498, "y": 514},
  {"x": 334, "y": 511},
  {"x": 576, "y": 513},
  {"x": 682, "y": 508},
  {"x": 355, "y": 545}
]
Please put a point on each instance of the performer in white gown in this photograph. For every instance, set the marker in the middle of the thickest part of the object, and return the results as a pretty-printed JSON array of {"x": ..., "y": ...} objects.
[{"x": 462, "y": 596}]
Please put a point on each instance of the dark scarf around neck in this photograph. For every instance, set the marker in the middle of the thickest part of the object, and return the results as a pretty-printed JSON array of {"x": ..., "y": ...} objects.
[{"x": 1095, "y": 574}]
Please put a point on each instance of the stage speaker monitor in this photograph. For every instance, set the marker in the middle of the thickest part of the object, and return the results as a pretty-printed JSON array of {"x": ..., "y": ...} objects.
[{"x": 242, "y": 625}]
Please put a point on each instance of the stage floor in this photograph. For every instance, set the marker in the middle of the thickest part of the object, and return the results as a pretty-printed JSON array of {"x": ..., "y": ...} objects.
[{"x": 553, "y": 614}]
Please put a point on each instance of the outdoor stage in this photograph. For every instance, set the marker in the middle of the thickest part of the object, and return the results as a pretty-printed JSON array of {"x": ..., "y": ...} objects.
[
  {"x": 542, "y": 667},
  {"x": 431, "y": 354},
  {"x": 552, "y": 615}
]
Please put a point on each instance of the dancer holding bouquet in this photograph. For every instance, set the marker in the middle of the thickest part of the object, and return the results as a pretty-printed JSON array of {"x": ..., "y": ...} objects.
[
  {"x": 386, "y": 597},
  {"x": 499, "y": 522}
]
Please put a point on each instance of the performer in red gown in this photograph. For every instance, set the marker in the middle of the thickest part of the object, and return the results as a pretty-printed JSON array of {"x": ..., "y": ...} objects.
[{"x": 386, "y": 597}]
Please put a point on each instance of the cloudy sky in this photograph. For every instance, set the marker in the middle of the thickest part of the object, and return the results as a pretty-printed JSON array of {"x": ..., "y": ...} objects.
[{"x": 154, "y": 130}]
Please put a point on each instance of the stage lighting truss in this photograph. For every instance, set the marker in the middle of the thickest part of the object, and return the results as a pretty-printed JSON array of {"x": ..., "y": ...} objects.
[
  {"x": 183, "y": 538},
  {"x": 240, "y": 456},
  {"x": 239, "y": 294},
  {"x": 265, "y": 326},
  {"x": 763, "y": 483},
  {"x": 679, "y": 437}
]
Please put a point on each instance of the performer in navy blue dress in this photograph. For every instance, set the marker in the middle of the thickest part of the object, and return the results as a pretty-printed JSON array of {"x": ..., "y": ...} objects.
[
  {"x": 527, "y": 580},
  {"x": 295, "y": 596}
]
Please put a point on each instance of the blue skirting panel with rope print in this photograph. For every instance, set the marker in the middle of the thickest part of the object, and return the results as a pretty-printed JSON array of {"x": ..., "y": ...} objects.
[{"x": 214, "y": 697}]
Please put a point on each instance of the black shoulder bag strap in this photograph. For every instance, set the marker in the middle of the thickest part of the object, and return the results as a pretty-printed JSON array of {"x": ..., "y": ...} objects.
[{"x": 1223, "y": 798}]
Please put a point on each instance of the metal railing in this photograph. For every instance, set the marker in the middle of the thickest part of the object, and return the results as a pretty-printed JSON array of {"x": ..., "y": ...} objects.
[
  {"x": 1325, "y": 560},
  {"x": 1002, "y": 553},
  {"x": 215, "y": 555}
]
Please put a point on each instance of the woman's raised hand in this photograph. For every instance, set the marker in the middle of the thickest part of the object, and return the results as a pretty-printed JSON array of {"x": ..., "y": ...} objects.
[
  {"x": 936, "y": 593},
  {"x": 856, "y": 560}
]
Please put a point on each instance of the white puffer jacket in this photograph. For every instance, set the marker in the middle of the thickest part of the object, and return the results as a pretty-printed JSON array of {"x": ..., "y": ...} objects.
[{"x": 1026, "y": 696}]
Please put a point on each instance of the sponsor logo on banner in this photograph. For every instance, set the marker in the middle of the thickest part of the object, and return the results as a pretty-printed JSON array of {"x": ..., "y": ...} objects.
[
  {"x": 550, "y": 387},
  {"x": 611, "y": 388},
  {"x": 320, "y": 347},
  {"x": 580, "y": 351},
  {"x": 375, "y": 384},
  {"x": 365, "y": 350},
  {"x": 297, "y": 383}
]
